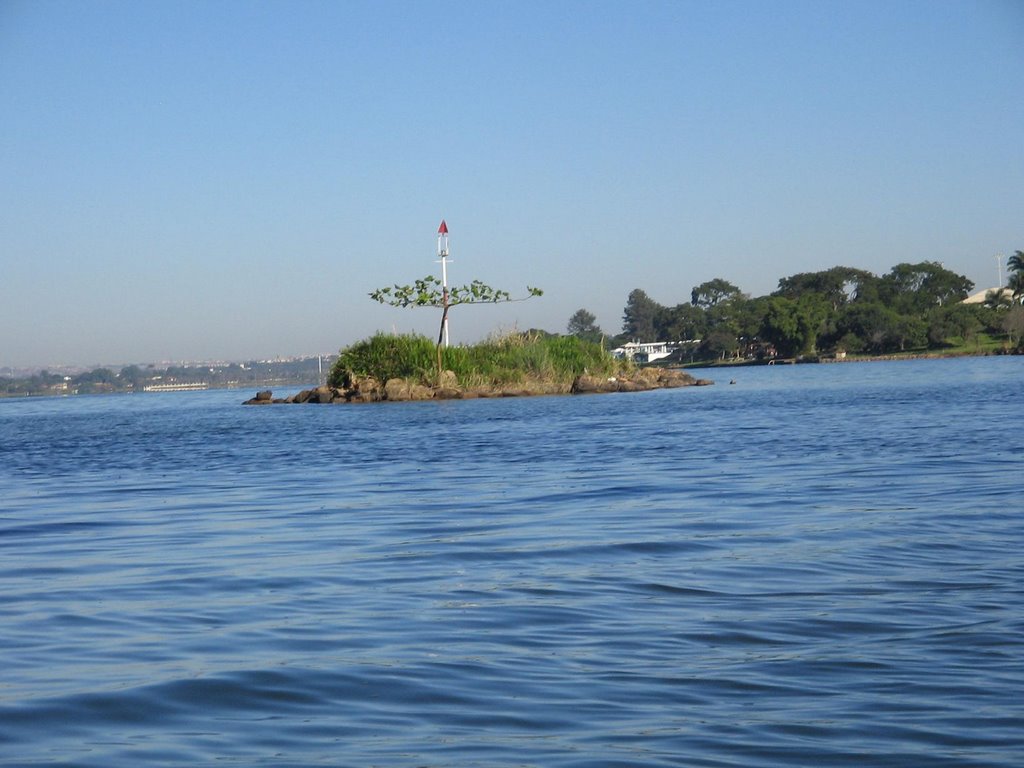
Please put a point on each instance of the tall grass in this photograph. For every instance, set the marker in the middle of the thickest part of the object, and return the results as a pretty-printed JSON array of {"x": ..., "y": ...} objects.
[
  {"x": 507, "y": 359},
  {"x": 385, "y": 356}
]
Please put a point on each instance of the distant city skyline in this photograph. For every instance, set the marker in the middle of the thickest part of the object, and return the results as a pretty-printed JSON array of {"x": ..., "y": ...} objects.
[{"x": 228, "y": 181}]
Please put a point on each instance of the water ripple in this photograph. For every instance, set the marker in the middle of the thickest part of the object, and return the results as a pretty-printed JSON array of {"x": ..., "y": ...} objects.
[{"x": 820, "y": 566}]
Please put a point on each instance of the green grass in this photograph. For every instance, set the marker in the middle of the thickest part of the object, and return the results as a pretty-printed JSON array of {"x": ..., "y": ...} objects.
[
  {"x": 979, "y": 344},
  {"x": 509, "y": 359}
]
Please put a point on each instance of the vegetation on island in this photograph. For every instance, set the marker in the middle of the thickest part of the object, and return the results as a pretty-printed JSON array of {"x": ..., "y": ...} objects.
[
  {"x": 511, "y": 358},
  {"x": 843, "y": 310}
]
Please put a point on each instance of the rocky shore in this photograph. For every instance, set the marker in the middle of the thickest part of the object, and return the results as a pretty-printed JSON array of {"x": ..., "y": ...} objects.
[{"x": 368, "y": 390}]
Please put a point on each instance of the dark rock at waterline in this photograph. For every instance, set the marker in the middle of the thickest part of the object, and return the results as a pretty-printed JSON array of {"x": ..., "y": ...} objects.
[
  {"x": 448, "y": 393},
  {"x": 264, "y": 397}
]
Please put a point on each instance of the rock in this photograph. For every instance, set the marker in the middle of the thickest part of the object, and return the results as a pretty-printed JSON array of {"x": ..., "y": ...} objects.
[
  {"x": 669, "y": 378},
  {"x": 402, "y": 390},
  {"x": 370, "y": 390},
  {"x": 364, "y": 390},
  {"x": 262, "y": 398},
  {"x": 586, "y": 384},
  {"x": 448, "y": 393},
  {"x": 641, "y": 381},
  {"x": 648, "y": 376}
]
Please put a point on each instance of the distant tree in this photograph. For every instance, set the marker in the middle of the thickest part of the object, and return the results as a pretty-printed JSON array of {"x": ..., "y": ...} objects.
[
  {"x": 793, "y": 325},
  {"x": 713, "y": 292},
  {"x": 963, "y": 321},
  {"x": 838, "y": 285},
  {"x": 583, "y": 324},
  {"x": 878, "y": 328},
  {"x": 639, "y": 318},
  {"x": 718, "y": 345},
  {"x": 49, "y": 379},
  {"x": 723, "y": 316},
  {"x": 941, "y": 328},
  {"x": 1016, "y": 262},
  {"x": 131, "y": 376},
  {"x": 682, "y": 322},
  {"x": 748, "y": 316},
  {"x": 850, "y": 342},
  {"x": 780, "y": 326},
  {"x": 96, "y": 380},
  {"x": 1016, "y": 284},
  {"x": 1013, "y": 325},
  {"x": 919, "y": 287},
  {"x": 96, "y": 376},
  {"x": 909, "y": 332}
]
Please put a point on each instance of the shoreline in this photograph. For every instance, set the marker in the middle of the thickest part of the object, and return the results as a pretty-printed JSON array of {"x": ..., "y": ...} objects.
[{"x": 898, "y": 356}]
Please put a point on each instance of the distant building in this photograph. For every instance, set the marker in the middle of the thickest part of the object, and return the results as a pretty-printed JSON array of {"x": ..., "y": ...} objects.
[{"x": 980, "y": 296}]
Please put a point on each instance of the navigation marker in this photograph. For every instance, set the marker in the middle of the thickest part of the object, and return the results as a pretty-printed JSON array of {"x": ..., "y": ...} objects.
[{"x": 442, "y": 252}]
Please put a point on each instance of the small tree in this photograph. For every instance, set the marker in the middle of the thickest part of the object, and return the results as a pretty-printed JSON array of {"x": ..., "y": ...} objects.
[
  {"x": 584, "y": 325},
  {"x": 429, "y": 292}
]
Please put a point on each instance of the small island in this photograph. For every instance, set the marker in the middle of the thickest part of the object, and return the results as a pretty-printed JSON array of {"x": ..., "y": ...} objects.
[{"x": 403, "y": 368}]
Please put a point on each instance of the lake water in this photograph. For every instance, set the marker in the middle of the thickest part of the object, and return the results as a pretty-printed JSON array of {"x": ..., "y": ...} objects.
[{"x": 816, "y": 566}]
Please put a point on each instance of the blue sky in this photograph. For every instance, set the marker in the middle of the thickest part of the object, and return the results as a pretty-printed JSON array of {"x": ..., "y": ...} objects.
[{"x": 228, "y": 180}]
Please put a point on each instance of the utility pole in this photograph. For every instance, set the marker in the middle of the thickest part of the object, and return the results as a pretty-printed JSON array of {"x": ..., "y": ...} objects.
[
  {"x": 442, "y": 253},
  {"x": 999, "y": 266}
]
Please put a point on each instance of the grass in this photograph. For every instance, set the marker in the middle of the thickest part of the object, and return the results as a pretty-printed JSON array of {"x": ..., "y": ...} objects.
[{"x": 508, "y": 359}]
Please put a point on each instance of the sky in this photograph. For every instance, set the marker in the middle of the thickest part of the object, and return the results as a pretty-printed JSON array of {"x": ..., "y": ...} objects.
[{"x": 229, "y": 180}]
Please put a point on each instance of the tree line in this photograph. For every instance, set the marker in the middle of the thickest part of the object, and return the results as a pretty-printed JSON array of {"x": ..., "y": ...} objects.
[{"x": 842, "y": 309}]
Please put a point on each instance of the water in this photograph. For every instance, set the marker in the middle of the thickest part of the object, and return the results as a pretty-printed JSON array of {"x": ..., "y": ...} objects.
[{"x": 818, "y": 566}]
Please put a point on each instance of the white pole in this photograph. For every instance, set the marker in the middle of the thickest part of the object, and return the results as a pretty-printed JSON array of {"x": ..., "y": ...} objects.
[
  {"x": 444, "y": 287},
  {"x": 442, "y": 252},
  {"x": 999, "y": 266}
]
